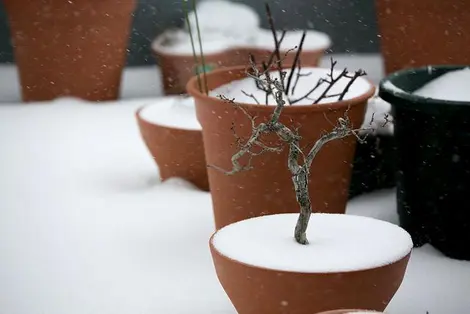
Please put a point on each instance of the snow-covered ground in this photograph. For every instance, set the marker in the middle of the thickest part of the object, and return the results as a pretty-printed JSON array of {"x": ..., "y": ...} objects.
[{"x": 86, "y": 228}]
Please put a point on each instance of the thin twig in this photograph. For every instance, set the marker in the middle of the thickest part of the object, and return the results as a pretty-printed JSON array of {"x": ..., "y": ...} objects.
[
  {"x": 196, "y": 62},
  {"x": 313, "y": 89},
  {"x": 296, "y": 58},
  {"x": 276, "y": 44},
  {"x": 357, "y": 74},
  {"x": 251, "y": 96},
  {"x": 200, "y": 48}
]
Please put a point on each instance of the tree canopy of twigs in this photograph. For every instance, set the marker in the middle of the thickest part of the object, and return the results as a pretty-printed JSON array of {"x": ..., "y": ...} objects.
[
  {"x": 288, "y": 83},
  {"x": 299, "y": 161}
]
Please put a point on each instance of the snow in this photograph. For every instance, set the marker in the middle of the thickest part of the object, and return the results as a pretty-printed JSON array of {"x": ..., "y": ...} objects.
[
  {"x": 314, "y": 40},
  {"x": 220, "y": 30},
  {"x": 175, "y": 112},
  {"x": 391, "y": 87},
  {"x": 86, "y": 226},
  {"x": 178, "y": 42},
  {"x": 452, "y": 86},
  {"x": 223, "y": 16},
  {"x": 338, "y": 243},
  {"x": 378, "y": 116},
  {"x": 236, "y": 88}
]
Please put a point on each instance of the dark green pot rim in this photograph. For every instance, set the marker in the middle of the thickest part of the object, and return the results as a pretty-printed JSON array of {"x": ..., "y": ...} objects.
[{"x": 395, "y": 95}]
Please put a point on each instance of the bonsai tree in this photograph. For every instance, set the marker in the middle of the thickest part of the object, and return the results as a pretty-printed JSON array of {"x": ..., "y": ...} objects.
[{"x": 281, "y": 90}]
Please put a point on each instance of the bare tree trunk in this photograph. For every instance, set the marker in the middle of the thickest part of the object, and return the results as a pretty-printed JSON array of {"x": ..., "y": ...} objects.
[{"x": 300, "y": 180}]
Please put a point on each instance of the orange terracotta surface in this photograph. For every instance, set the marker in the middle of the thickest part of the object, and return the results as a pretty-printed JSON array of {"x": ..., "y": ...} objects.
[
  {"x": 419, "y": 33},
  {"x": 178, "y": 69},
  {"x": 70, "y": 48},
  {"x": 255, "y": 290},
  {"x": 177, "y": 152}
]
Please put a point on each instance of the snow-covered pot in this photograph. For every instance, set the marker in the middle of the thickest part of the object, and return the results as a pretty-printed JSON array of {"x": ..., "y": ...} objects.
[
  {"x": 70, "y": 48},
  {"x": 173, "y": 137},
  {"x": 267, "y": 187},
  {"x": 351, "y": 262},
  {"x": 409, "y": 31},
  {"x": 173, "y": 52},
  {"x": 177, "y": 66},
  {"x": 433, "y": 156}
]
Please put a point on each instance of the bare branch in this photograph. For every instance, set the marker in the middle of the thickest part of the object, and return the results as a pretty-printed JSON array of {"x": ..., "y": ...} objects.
[
  {"x": 251, "y": 96},
  {"x": 357, "y": 74},
  {"x": 313, "y": 89},
  {"x": 276, "y": 44},
  {"x": 296, "y": 60},
  {"x": 299, "y": 74}
]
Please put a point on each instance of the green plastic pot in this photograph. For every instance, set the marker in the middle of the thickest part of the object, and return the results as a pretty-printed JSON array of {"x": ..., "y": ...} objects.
[{"x": 432, "y": 139}]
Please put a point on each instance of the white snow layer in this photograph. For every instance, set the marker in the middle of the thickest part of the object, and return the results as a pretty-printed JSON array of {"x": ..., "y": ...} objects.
[
  {"x": 378, "y": 116},
  {"x": 223, "y": 16},
  {"x": 451, "y": 86},
  {"x": 174, "y": 112},
  {"x": 175, "y": 41},
  {"x": 243, "y": 89},
  {"x": 227, "y": 24},
  {"x": 86, "y": 227},
  {"x": 337, "y": 243}
]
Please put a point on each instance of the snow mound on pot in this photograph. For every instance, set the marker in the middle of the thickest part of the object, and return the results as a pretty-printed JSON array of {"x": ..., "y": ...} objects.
[
  {"x": 174, "y": 112},
  {"x": 221, "y": 29},
  {"x": 314, "y": 40},
  {"x": 219, "y": 16},
  {"x": 176, "y": 41},
  {"x": 452, "y": 86},
  {"x": 378, "y": 116},
  {"x": 338, "y": 243},
  {"x": 242, "y": 89}
]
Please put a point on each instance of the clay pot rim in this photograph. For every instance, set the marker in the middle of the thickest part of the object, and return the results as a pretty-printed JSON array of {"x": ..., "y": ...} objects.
[
  {"x": 395, "y": 96},
  {"x": 211, "y": 244},
  {"x": 139, "y": 118},
  {"x": 191, "y": 88},
  {"x": 156, "y": 43}
]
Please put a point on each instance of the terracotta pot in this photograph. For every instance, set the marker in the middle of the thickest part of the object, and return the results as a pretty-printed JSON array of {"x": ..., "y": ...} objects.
[
  {"x": 418, "y": 33},
  {"x": 349, "y": 311},
  {"x": 70, "y": 48},
  {"x": 177, "y": 152},
  {"x": 258, "y": 290},
  {"x": 267, "y": 188},
  {"x": 177, "y": 69}
]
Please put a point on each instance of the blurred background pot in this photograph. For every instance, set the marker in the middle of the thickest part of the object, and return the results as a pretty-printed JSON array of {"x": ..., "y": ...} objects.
[
  {"x": 433, "y": 160},
  {"x": 70, "y": 48},
  {"x": 418, "y": 33},
  {"x": 178, "y": 65}
]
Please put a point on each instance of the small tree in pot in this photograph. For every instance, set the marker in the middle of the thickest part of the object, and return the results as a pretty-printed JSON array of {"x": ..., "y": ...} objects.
[{"x": 349, "y": 262}]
